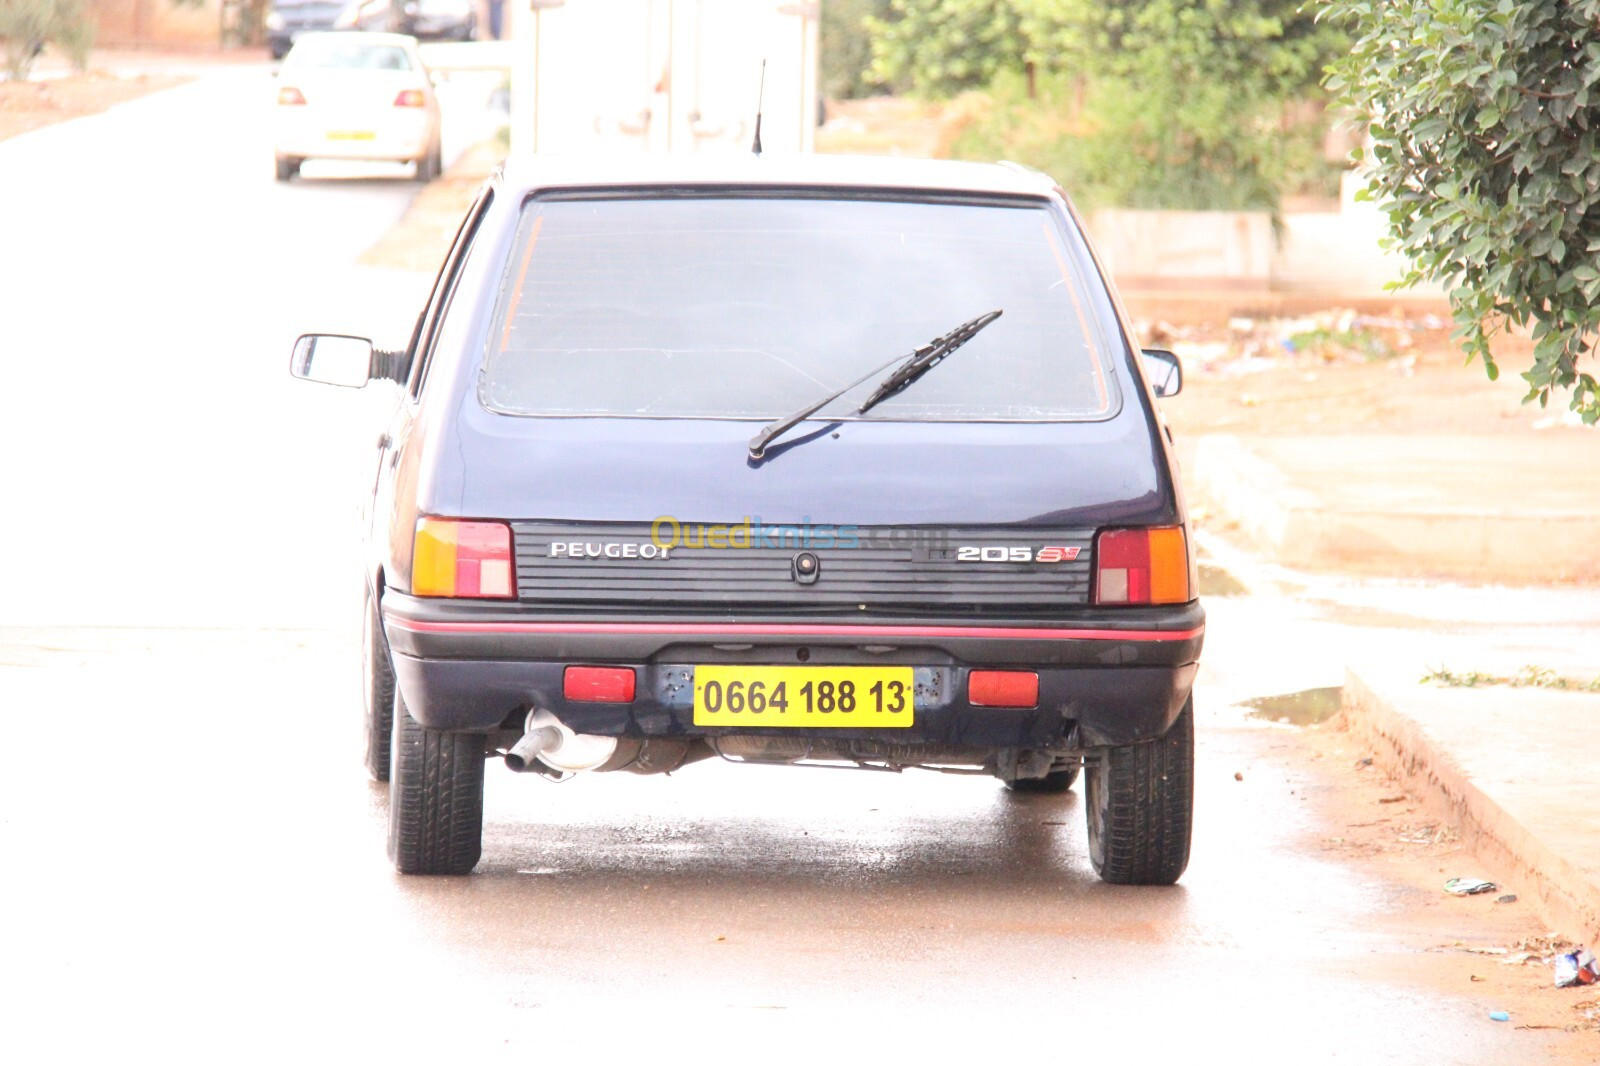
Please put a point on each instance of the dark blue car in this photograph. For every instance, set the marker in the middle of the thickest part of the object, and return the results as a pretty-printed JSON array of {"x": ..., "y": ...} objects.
[
  {"x": 805, "y": 461},
  {"x": 286, "y": 20}
]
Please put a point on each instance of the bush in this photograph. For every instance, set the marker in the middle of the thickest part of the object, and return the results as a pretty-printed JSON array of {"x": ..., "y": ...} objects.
[
  {"x": 1139, "y": 103},
  {"x": 26, "y": 26},
  {"x": 846, "y": 48},
  {"x": 1151, "y": 144},
  {"x": 943, "y": 47},
  {"x": 1486, "y": 157}
]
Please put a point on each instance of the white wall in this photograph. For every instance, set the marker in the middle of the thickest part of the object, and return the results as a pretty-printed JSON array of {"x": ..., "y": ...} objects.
[
  {"x": 662, "y": 75},
  {"x": 1334, "y": 253}
]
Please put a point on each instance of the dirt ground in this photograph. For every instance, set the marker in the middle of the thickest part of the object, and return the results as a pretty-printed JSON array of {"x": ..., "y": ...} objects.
[
  {"x": 886, "y": 125},
  {"x": 421, "y": 239},
  {"x": 30, "y": 105},
  {"x": 1486, "y": 946},
  {"x": 1388, "y": 376}
]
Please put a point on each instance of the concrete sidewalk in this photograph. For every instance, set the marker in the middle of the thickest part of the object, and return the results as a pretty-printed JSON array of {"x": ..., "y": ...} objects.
[{"x": 1514, "y": 769}]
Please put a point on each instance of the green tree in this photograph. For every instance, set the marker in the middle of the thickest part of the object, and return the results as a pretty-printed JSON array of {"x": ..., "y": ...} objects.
[
  {"x": 940, "y": 47},
  {"x": 28, "y": 25},
  {"x": 1195, "y": 99},
  {"x": 1485, "y": 154},
  {"x": 846, "y": 47},
  {"x": 1148, "y": 103}
]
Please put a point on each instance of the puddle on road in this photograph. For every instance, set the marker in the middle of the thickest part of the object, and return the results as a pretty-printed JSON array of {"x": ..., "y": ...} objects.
[
  {"x": 1215, "y": 581},
  {"x": 1311, "y": 707}
]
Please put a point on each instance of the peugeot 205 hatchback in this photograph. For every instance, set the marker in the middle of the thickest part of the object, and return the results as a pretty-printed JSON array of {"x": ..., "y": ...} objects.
[{"x": 809, "y": 461}]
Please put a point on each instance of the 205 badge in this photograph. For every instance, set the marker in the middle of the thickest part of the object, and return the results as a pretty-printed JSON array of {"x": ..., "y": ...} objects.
[{"x": 995, "y": 553}]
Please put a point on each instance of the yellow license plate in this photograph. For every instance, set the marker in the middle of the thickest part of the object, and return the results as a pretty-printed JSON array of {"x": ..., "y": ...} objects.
[
  {"x": 352, "y": 135},
  {"x": 805, "y": 697}
]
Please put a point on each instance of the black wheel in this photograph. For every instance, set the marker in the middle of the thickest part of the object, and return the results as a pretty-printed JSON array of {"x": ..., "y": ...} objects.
[
  {"x": 1055, "y": 781},
  {"x": 435, "y": 797},
  {"x": 287, "y": 168},
  {"x": 430, "y": 166},
  {"x": 1140, "y": 804},
  {"x": 377, "y": 675}
]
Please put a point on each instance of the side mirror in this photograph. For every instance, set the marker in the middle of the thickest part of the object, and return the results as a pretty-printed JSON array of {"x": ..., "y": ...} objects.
[
  {"x": 332, "y": 360},
  {"x": 1164, "y": 371}
]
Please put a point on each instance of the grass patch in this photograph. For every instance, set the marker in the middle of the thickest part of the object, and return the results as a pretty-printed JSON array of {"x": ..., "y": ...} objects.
[{"x": 1527, "y": 677}]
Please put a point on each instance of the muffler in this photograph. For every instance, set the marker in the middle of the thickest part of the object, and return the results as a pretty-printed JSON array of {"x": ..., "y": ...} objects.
[{"x": 548, "y": 740}]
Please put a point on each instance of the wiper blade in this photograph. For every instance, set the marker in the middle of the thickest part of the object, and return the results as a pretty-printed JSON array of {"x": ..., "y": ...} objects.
[
  {"x": 925, "y": 359},
  {"x": 910, "y": 369}
]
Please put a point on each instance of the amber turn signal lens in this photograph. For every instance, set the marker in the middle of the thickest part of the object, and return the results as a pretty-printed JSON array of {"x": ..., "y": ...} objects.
[{"x": 290, "y": 96}]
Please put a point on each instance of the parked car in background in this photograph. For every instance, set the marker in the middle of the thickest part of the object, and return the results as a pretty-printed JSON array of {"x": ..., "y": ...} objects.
[
  {"x": 799, "y": 461},
  {"x": 286, "y": 20},
  {"x": 442, "y": 20},
  {"x": 356, "y": 96},
  {"x": 371, "y": 16},
  {"x": 431, "y": 20}
]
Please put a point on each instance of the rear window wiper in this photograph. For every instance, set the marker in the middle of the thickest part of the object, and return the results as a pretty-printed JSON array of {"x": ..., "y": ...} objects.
[{"x": 911, "y": 368}]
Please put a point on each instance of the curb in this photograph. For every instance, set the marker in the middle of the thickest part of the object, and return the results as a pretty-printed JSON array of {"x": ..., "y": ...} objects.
[
  {"x": 1272, "y": 511},
  {"x": 1496, "y": 542},
  {"x": 1567, "y": 899}
]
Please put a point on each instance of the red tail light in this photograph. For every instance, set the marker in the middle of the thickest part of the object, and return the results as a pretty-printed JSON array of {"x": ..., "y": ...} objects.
[
  {"x": 463, "y": 559},
  {"x": 1142, "y": 566},
  {"x": 598, "y": 684},
  {"x": 289, "y": 96},
  {"x": 411, "y": 98}
]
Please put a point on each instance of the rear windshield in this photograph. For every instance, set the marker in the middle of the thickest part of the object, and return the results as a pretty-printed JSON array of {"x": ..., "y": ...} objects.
[
  {"x": 345, "y": 53},
  {"x": 739, "y": 307}
]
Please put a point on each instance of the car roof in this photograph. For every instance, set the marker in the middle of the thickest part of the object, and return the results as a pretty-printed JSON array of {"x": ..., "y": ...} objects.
[{"x": 534, "y": 174}]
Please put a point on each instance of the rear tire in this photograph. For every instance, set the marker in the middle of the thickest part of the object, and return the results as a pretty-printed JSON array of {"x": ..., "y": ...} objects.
[
  {"x": 1140, "y": 804},
  {"x": 435, "y": 797},
  {"x": 377, "y": 675},
  {"x": 1055, "y": 781},
  {"x": 430, "y": 166}
]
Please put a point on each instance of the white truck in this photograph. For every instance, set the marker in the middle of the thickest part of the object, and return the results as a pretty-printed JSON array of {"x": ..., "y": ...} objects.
[{"x": 662, "y": 75}]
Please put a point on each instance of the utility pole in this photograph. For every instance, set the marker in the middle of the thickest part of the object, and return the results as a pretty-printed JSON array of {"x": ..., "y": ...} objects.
[{"x": 526, "y": 72}]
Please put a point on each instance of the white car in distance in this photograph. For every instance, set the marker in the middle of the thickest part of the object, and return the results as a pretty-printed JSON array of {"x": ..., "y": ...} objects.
[{"x": 364, "y": 96}]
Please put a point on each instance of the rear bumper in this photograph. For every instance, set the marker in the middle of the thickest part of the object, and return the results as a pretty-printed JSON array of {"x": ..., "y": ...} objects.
[
  {"x": 398, "y": 138},
  {"x": 1113, "y": 677}
]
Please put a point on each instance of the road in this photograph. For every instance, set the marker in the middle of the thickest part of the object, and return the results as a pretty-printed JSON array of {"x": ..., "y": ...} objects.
[{"x": 194, "y": 861}]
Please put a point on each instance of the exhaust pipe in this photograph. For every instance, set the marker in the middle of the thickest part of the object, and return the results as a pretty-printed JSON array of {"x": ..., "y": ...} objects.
[
  {"x": 534, "y": 743},
  {"x": 547, "y": 740}
]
